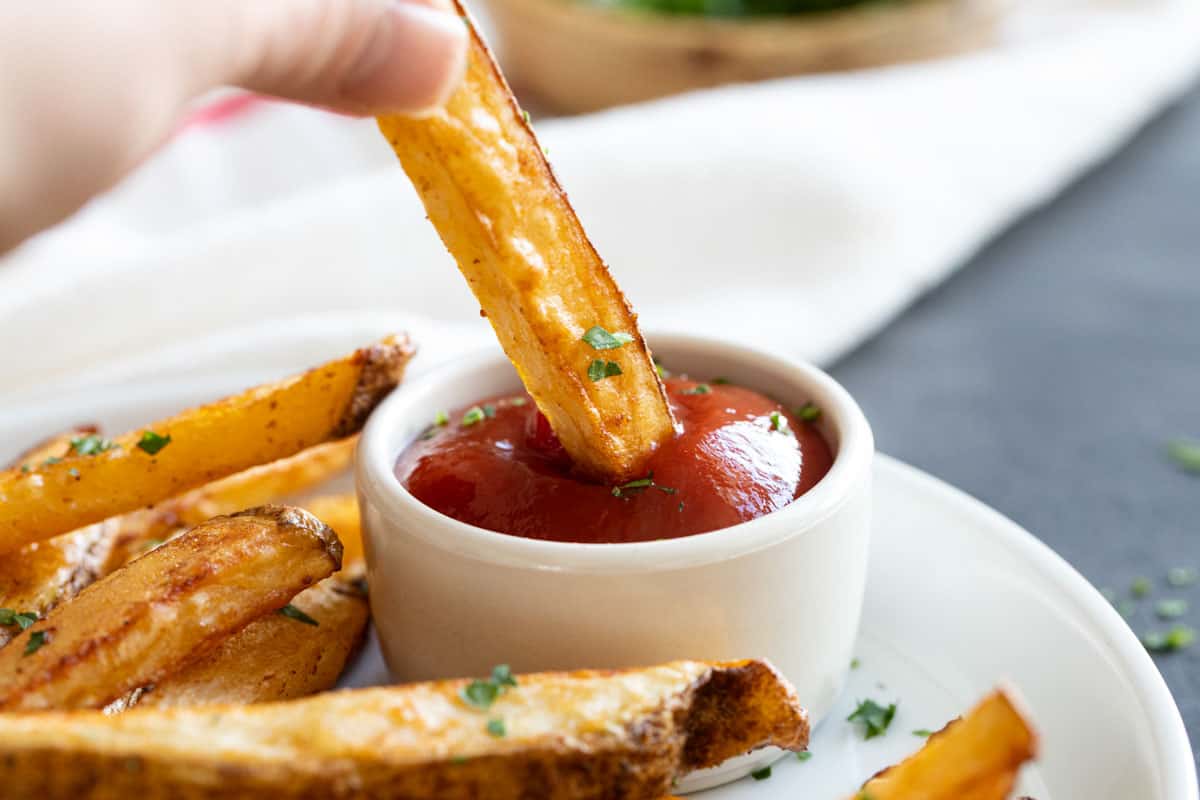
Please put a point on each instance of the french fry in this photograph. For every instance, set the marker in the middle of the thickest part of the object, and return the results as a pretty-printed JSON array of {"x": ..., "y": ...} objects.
[
  {"x": 206, "y": 443},
  {"x": 169, "y": 607},
  {"x": 621, "y": 734},
  {"x": 493, "y": 198},
  {"x": 276, "y": 657},
  {"x": 340, "y": 512},
  {"x": 972, "y": 758},
  {"x": 39, "y": 576},
  {"x": 262, "y": 485}
]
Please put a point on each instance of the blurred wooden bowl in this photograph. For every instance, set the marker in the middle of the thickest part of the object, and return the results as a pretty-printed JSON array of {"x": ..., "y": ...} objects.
[{"x": 572, "y": 55}]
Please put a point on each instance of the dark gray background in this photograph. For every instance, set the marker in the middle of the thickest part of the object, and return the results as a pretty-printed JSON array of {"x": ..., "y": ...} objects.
[{"x": 1046, "y": 377}]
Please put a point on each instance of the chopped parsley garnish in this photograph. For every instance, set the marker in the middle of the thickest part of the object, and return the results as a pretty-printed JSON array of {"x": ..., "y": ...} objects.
[
  {"x": 761, "y": 774},
  {"x": 482, "y": 693},
  {"x": 699, "y": 388},
  {"x": 441, "y": 419},
  {"x": 151, "y": 442},
  {"x": 22, "y": 619},
  {"x": 1126, "y": 608},
  {"x": 1171, "y": 609},
  {"x": 36, "y": 640},
  {"x": 518, "y": 401},
  {"x": 663, "y": 372},
  {"x": 291, "y": 612},
  {"x": 855, "y": 663},
  {"x": 473, "y": 415},
  {"x": 600, "y": 369},
  {"x": 1185, "y": 453},
  {"x": 809, "y": 412},
  {"x": 924, "y": 733},
  {"x": 804, "y": 755},
  {"x": 525, "y": 116},
  {"x": 601, "y": 339},
  {"x": 51, "y": 460},
  {"x": 680, "y": 506},
  {"x": 24, "y": 468},
  {"x": 495, "y": 727},
  {"x": 489, "y": 410},
  {"x": 1179, "y": 637},
  {"x": 1182, "y": 576},
  {"x": 1140, "y": 587},
  {"x": 718, "y": 381},
  {"x": 90, "y": 445},
  {"x": 642, "y": 483},
  {"x": 779, "y": 422},
  {"x": 874, "y": 717}
]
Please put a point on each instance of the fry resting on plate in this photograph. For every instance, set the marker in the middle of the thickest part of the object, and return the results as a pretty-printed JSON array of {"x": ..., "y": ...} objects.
[
  {"x": 625, "y": 733},
  {"x": 166, "y": 608},
  {"x": 172, "y": 456},
  {"x": 489, "y": 191}
]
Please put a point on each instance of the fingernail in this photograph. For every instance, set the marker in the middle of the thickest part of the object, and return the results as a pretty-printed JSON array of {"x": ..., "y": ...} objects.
[{"x": 413, "y": 63}]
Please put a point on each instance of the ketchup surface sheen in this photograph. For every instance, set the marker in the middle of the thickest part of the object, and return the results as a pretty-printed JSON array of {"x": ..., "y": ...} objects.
[{"x": 738, "y": 455}]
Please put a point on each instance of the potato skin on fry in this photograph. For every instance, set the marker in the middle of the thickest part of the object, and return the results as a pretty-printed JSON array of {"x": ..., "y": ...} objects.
[
  {"x": 207, "y": 443},
  {"x": 165, "y": 609},
  {"x": 275, "y": 657},
  {"x": 569, "y": 735},
  {"x": 493, "y": 198}
]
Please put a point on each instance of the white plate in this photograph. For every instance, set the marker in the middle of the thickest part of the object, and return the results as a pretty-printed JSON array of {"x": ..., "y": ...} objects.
[{"x": 958, "y": 599}]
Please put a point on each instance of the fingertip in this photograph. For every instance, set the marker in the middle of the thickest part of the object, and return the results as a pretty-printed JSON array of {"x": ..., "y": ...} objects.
[{"x": 414, "y": 62}]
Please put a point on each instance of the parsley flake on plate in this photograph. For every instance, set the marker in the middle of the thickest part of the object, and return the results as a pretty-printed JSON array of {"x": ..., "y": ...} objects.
[
  {"x": 291, "y": 612},
  {"x": 152, "y": 442},
  {"x": 924, "y": 733},
  {"x": 874, "y": 717},
  {"x": 1182, "y": 576},
  {"x": 1140, "y": 587},
  {"x": 1171, "y": 609},
  {"x": 804, "y": 755},
  {"x": 761, "y": 774}
]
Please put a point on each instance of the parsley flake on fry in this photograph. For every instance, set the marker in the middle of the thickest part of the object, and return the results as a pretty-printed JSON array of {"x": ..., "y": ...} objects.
[
  {"x": 291, "y": 612},
  {"x": 152, "y": 442},
  {"x": 90, "y": 445}
]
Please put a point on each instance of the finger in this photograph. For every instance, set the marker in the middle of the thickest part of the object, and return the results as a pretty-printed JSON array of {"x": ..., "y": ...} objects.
[{"x": 360, "y": 56}]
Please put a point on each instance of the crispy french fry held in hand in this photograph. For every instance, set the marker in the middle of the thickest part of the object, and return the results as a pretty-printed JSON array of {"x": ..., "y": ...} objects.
[
  {"x": 493, "y": 198},
  {"x": 165, "y": 609},
  {"x": 583, "y": 734},
  {"x": 145, "y": 467}
]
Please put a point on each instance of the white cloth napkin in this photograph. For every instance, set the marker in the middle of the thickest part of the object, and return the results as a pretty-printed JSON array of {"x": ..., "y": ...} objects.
[{"x": 801, "y": 213}]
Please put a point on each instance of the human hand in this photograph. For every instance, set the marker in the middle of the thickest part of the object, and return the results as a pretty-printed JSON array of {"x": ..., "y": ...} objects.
[{"x": 88, "y": 90}]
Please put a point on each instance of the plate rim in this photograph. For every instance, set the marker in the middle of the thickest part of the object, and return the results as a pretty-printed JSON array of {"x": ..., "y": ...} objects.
[{"x": 1173, "y": 747}]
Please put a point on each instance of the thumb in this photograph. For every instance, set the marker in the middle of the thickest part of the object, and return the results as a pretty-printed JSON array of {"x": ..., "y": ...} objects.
[{"x": 357, "y": 56}]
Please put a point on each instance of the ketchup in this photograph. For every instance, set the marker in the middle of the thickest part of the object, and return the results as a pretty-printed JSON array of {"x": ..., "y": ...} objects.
[{"x": 498, "y": 465}]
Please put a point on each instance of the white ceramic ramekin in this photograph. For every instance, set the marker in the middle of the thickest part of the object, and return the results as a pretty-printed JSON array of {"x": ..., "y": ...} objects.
[{"x": 452, "y": 600}]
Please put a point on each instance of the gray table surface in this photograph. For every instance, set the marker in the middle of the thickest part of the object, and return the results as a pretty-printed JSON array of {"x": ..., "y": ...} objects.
[{"x": 1046, "y": 377}]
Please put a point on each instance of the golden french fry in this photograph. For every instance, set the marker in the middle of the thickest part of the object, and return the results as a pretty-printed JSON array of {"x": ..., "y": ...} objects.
[
  {"x": 276, "y": 657},
  {"x": 198, "y": 446},
  {"x": 972, "y": 757},
  {"x": 493, "y": 198},
  {"x": 624, "y": 733},
  {"x": 340, "y": 512},
  {"x": 169, "y": 607},
  {"x": 270, "y": 483},
  {"x": 39, "y": 576}
]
